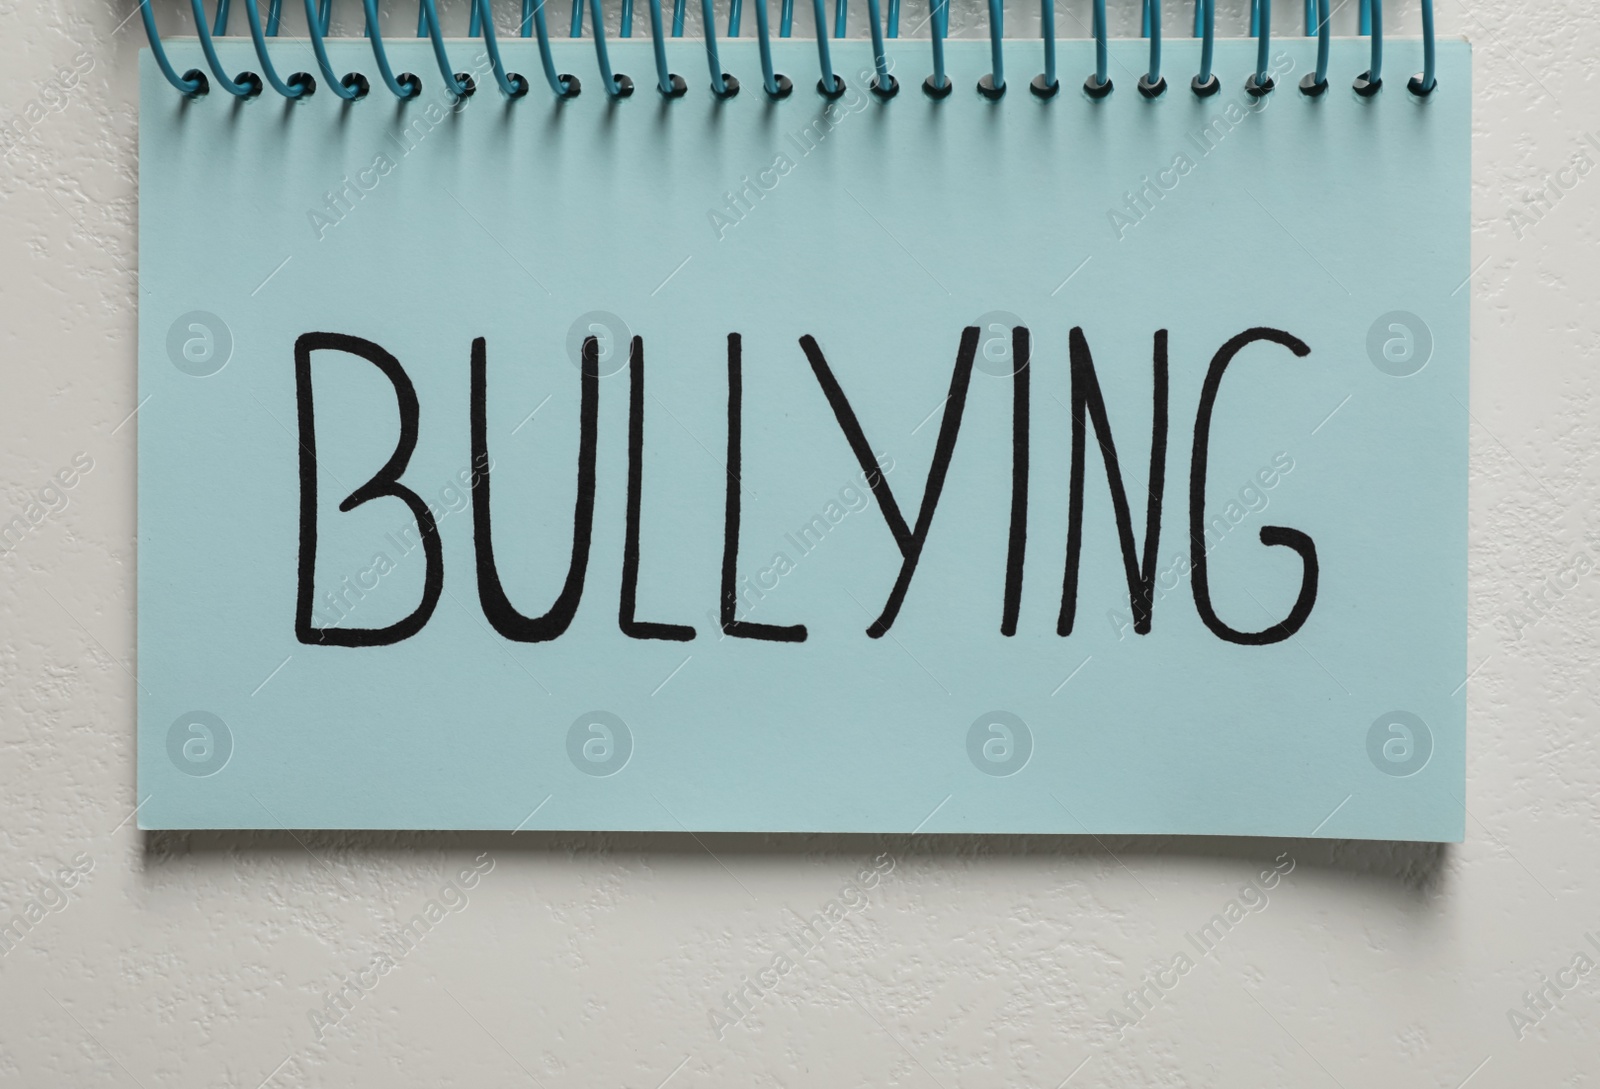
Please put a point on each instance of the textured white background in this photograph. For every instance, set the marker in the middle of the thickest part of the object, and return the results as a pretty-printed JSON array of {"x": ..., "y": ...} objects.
[{"x": 595, "y": 960}]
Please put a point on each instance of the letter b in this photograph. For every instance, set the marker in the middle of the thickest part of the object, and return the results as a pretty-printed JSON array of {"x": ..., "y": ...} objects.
[{"x": 385, "y": 482}]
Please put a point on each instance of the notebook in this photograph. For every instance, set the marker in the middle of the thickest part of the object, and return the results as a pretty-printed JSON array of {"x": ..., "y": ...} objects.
[{"x": 1048, "y": 461}]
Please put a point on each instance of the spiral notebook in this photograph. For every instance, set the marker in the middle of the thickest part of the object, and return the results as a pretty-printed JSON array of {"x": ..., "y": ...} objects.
[{"x": 832, "y": 461}]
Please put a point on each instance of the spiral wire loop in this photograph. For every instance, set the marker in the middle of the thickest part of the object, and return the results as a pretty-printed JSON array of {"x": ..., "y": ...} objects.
[
  {"x": 1370, "y": 82},
  {"x": 1206, "y": 83},
  {"x": 511, "y": 84},
  {"x": 616, "y": 84},
  {"x": 1422, "y": 85},
  {"x": 884, "y": 85},
  {"x": 1099, "y": 84},
  {"x": 669, "y": 85},
  {"x": 299, "y": 85},
  {"x": 1151, "y": 85},
  {"x": 830, "y": 85},
  {"x": 245, "y": 84},
  {"x": 776, "y": 86},
  {"x": 722, "y": 84},
  {"x": 352, "y": 85},
  {"x": 405, "y": 86},
  {"x": 938, "y": 85},
  {"x": 533, "y": 22},
  {"x": 993, "y": 85},
  {"x": 1045, "y": 84},
  {"x": 1316, "y": 83},
  {"x": 193, "y": 83},
  {"x": 1260, "y": 82},
  {"x": 459, "y": 84}
]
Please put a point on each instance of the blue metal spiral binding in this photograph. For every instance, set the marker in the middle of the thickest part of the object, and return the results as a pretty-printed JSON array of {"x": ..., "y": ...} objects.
[
  {"x": 511, "y": 84},
  {"x": 721, "y": 85},
  {"x": 1424, "y": 84},
  {"x": 1101, "y": 59},
  {"x": 1316, "y": 84},
  {"x": 775, "y": 85},
  {"x": 994, "y": 84},
  {"x": 883, "y": 84},
  {"x": 577, "y": 20},
  {"x": 299, "y": 85},
  {"x": 352, "y": 85},
  {"x": 829, "y": 83},
  {"x": 1375, "y": 72},
  {"x": 617, "y": 86},
  {"x": 564, "y": 86},
  {"x": 1261, "y": 82},
  {"x": 1370, "y": 82},
  {"x": 246, "y": 84},
  {"x": 938, "y": 18},
  {"x": 1324, "y": 41},
  {"x": 193, "y": 82},
  {"x": 1048, "y": 83},
  {"x": 1152, "y": 11},
  {"x": 669, "y": 85},
  {"x": 404, "y": 87},
  {"x": 430, "y": 13}
]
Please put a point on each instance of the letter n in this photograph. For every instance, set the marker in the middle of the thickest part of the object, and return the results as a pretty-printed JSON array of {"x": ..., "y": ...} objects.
[{"x": 1089, "y": 408}]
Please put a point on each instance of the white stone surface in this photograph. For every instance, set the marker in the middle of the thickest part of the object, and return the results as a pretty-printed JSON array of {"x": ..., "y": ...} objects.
[{"x": 597, "y": 960}]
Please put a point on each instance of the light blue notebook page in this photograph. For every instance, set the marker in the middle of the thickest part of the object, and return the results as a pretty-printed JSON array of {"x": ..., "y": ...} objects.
[{"x": 882, "y": 230}]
